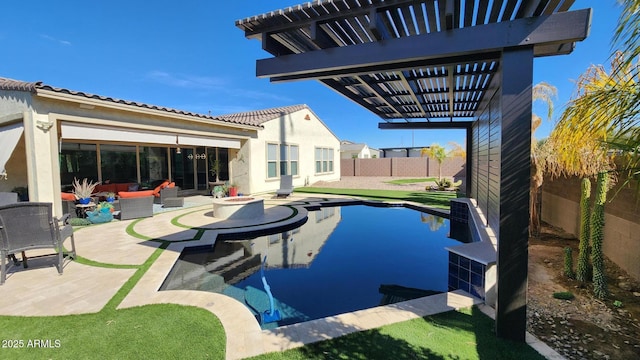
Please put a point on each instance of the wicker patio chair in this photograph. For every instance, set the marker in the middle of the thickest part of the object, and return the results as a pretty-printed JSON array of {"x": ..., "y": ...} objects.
[
  {"x": 136, "y": 207},
  {"x": 165, "y": 193},
  {"x": 286, "y": 186},
  {"x": 8, "y": 198},
  {"x": 29, "y": 225}
]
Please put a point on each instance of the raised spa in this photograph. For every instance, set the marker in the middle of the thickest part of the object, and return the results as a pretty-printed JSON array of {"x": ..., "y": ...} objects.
[{"x": 240, "y": 207}]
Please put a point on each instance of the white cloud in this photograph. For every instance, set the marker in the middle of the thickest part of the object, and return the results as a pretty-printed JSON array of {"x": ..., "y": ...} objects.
[
  {"x": 186, "y": 81},
  {"x": 59, "y": 41},
  {"x": 219, "y": 85}
]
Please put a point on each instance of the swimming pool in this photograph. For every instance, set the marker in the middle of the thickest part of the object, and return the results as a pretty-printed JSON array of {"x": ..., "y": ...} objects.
[{"x": 342, "y": 259}]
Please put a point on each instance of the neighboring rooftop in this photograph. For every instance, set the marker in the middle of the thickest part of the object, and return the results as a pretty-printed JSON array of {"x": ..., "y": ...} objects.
[{"x": 352, "y": 147}]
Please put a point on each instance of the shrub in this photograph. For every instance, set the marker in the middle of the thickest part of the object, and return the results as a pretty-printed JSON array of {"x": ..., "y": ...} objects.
[
  {"x": 563, "y": 295},
  {"x": 79, "y": 222}
]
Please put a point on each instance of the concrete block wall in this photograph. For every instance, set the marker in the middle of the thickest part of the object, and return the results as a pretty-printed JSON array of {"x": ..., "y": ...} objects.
[
  {"x": 407, "y": 166},
  {"x": 347, "y": 167},
  {"x": 373, "y": 167},
  {"x": 410, "y": 167}
]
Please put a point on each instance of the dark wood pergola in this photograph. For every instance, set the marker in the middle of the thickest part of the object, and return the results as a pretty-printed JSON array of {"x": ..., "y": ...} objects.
[{"x": 435, "y": 64}]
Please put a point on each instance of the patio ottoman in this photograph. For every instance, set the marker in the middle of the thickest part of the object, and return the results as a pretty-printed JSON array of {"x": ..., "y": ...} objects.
[{"x": 173, "y": 202}]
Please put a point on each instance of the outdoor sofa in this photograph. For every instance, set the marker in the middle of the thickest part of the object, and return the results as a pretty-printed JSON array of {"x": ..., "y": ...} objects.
[{"x": 131, "y": 202}]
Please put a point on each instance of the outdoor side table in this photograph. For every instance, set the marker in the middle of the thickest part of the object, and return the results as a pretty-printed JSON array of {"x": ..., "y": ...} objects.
[{"x": 83, "y": 208}]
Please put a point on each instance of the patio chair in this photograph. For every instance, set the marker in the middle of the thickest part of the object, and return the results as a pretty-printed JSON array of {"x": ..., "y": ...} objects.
[
  {"x": 8, "y": 198},
  {"x": 136, "y": 207},
  {"x": 286, "y": 186},
  {"x": 163, "y": 194},
  {"x": 27, "y": 226}
]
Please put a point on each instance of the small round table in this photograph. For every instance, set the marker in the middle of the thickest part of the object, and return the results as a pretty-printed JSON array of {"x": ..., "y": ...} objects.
[{"x": 81, "y": 209}]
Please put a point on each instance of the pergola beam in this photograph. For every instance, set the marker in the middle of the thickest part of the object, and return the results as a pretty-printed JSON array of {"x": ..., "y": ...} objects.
[
  {"x": 538, "y": 32},
  {"x": 426, "y": 125}
]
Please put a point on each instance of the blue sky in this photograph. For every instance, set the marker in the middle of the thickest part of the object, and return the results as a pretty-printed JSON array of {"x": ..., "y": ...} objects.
[{"x": 189, "y": 55}]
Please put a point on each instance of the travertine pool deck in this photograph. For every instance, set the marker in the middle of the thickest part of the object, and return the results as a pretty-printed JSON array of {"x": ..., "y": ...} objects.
[{"x": 87, "y": 288}]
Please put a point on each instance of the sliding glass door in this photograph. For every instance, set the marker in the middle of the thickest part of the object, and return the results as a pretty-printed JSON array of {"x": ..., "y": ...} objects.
[{"x": 182, "y": 167}]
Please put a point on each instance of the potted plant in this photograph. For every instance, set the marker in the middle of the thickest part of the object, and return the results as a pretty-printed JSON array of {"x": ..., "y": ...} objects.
[
  {"x": 102, "y": 213},
  {"x": 105, "y": 206},
  {"x": 111, "y": 197},
  {"x": 83, "y": 190},
  {"x": 214, "y": 168},
  {"x": 233, "y": 190}
]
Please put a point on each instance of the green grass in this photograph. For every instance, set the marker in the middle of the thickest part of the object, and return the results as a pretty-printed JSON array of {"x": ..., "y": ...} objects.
[
  {"x": 466, "y": 334},
  {"x": 411, "y": 181},
  {"x": 438, "y": 199},
  {"x": 163, "y": 331}
]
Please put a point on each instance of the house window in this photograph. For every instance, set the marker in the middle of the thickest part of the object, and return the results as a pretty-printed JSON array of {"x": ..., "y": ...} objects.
[
  {"x": 272, "y": 160},
  {"x": 119, "y": 163},
  {"x": 78, "y": 161},
  {"x": 282, "y": 159},
  {"x": 284, "y": 152},
  {"x": 324, "y": 160},
  {"x": 293, "y": 154}
]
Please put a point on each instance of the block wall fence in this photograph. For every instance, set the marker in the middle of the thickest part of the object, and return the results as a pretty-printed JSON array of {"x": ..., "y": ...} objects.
[{"x": 419, "y": 167}]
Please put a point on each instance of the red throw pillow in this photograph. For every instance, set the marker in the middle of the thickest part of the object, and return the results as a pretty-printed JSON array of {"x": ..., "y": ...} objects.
[
  {"x": 134, "y": 194},
  {"x": 156, "y": 191},
  {"x": 68, "y": 196}
]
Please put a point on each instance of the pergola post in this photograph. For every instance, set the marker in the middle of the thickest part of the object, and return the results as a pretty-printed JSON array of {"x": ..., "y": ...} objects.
[{"x": 515, "y": 177}]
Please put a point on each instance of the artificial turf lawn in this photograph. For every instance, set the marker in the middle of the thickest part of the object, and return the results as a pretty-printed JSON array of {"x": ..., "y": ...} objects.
[
  {"x": 465, "y": 334},
  {"x": 438, "y": 199},
  {"x": 411, "y": 181},
  {"x": 162, "y": 331}
]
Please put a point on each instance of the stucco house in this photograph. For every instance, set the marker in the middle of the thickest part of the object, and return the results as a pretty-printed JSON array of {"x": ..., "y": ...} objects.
[
  {"x": 292, "y": 141},
  {"x": 351, "y": 150},
  {"x": 51, "y": 135}
]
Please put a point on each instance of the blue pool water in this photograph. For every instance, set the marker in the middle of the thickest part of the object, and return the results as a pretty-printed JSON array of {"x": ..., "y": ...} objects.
[{"x": 341, "y": 260}]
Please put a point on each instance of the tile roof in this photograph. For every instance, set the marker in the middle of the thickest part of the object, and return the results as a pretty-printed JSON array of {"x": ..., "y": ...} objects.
[
  {"x": 262, "y": 116},
  {"x": 33, "y": 87},
  {"x": 352, "y": 147}
]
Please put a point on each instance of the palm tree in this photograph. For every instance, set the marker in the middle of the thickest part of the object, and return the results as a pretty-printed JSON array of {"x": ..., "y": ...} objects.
[
  {"x": 437, "y": 152},
  {"x": 608, "y": 107},
  {"x": 541, "y": 92}
]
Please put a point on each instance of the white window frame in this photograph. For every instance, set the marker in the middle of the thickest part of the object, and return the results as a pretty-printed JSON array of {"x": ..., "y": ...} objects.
[
  {"x": 279, "y": 161},
  {"x": 323, "y": 158},
  {"x": 274, "y": 161}
]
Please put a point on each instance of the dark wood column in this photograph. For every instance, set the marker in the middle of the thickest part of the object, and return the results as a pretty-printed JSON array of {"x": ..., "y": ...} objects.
[
  {"x": 515, "y": 106},
  {"x": 468, "y": 160}
]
